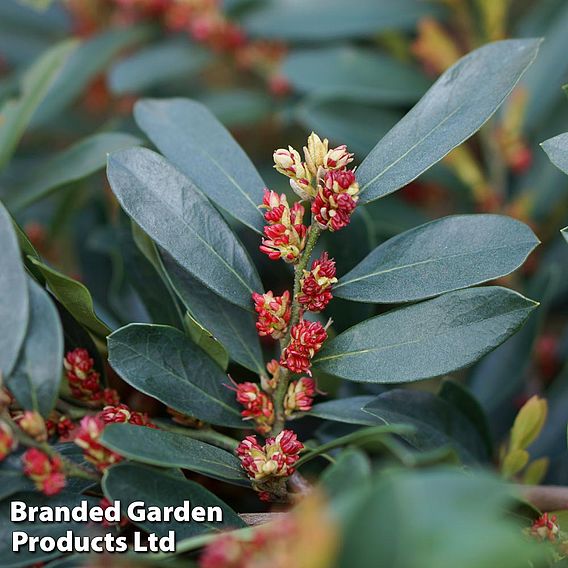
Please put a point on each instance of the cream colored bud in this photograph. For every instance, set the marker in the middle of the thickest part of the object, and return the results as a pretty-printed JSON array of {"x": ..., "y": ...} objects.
[{"x": 315, "y": 152}]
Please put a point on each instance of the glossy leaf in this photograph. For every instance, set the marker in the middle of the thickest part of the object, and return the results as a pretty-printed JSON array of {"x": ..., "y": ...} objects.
[
  {"x": 231, "y": 325},
  {"x": 167, "y": 449},
  {"x": 444, "y": 255},
  {"x": 199, "y": 146},
  {"x": 14, "y": 302},
  {"x": 557, "y": 150},
  {"x": 130, "y": 482},
  {"x": 75, "y": 298},
  {"x": 16, "y": 114},
  {"x": 156, "y": 65},
  {"x": 437, "y": 423},
  {"x": 171, "y": 210},
  {"x": 428, "y": 339},
  {"x": 205, "y": 339},
  {"x": 328, "y": 20},
  {"x": 161, "y": 362},
  {"x": 80, "y": 160},
  {"x": 352, "y": 469},
  {"x": 35, "y": 379},
  {"x": 348, "y": 410},
  {"x": 354, "y": 74},
  {"x": 456, "y": 106},
  {"x": 89, "y": 60}
]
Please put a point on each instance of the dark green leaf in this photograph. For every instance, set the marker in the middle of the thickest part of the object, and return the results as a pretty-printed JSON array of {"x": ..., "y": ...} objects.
[
  {"x": 354, "y": 74},
  {"x": 206, "y": 340},
  {"x": 75, "y": 297},
  {"x": 167, "y": 449},
  {"x": 161, "y": 362},
  {"x": 80, "y": 160},
  {"x": 200, "y": 147},
  {"x": 231, "y": 325},
  {"x": 90, "y": 59},
  {"x": 328, "y": 20},
  {"x": 428, "y": 339},
  {"x": 437, "y": 423},
  {"x": 443, "y": 255},
  {"x": 35, "y": 379},
  {"x": 171, "y": 210},
  {"x": 463, "y": 400},
  {"x": 130, "y": 482},
  {"x": 14, "y": 302},
  {"x": 557, "y": 150},
  {"x": 348, "y": 410},
  {"x": 155, "y": 65},
  {"x": 457, "y": 105},
  {"x": 16, "y": 114},
  {"x": 352, "y": 469}
]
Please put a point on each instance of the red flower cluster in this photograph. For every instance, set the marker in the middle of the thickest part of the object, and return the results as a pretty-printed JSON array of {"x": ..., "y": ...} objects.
[
  {"x": 315, "y": 286},
  {"x": 45, "y": 471},
  {"x": 84, "y": 381},
  {"x": 257, "y": 404},
  {"x": 285, "y": 233},
  {"x": 273, "y": 314},
  {"x": 7, "y": 442},
  {"x": 300, "y": 396},
  {"x": 121, "y": 413},
  {"x": 90, "y": 430},
  {"x": 545, "y": 528},
  {"x": 336, "y": 200},
  {"x": 275, "y": 459},
  {"x": 306, "y": 339}
]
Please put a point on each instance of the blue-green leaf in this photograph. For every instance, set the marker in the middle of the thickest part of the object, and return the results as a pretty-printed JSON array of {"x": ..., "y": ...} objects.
[
  {"x": 456, "y": 106},
  {"x": 443, "y": 255}
]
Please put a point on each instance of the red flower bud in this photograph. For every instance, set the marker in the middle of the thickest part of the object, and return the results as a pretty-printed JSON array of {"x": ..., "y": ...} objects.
[
  {"x": 306, "y": 339},
  {"x": 315, "y": 286},
  {"x": 300, "y": 396},
  {"x": 257, "y": 404},
  {"x": 273, "y": 313},
  {"x": 545, "y": 528},
  {"x": 87, "y": 439},
  {"x": 45, "y": 471},
  {"x": 7, "y": 441},
  {"x": 33, "y": 424}
]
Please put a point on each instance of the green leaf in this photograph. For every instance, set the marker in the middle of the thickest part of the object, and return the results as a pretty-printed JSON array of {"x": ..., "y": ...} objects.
[
  {"x": 75, "y": 297},
  {"x": 14, "y": 301},
  {"x": 364, "y": 437},
  {"x": 557, "y": 150},
  {"x": 348, "y": 410},
  {"x": 89, "y": 60},
  {"x": 436, "y": 518},
  {"x": 329, "y": 20},
  {"x": 155, "y": 65},
  {"x": 428, "y": 339},
  {"x": 161, "y": 362},
  {"x": 12, "y": 478},
  {"x": 16, "y": 114},
  {"x": 231, "y": 325},
  {"x": 237, "y": 107},
  {"x": 441, "y": 256},
  {"x": 167, "y": 449},
  {"x": 171, "y": 210},
  {"x": 437, "y": 423},
  {"x": 456, "y": 106},
  {"x": 35, "y": 379},
  {"x": 24, "y": 557},
  {"x": 80, "y": 160},
  {"x": 206, "y": 340},
  {"x": 357, "y": 125},
  {"x": 354, "y": 74},
  {"x": 463, "y": 400},
  {"x": 352, "y": 469},
  {"x": 128, "y": 482},
  {"x": 201, "y": 148}
]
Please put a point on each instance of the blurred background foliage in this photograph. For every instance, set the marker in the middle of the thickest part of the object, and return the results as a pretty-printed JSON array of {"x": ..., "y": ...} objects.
[{"x": 272, "y": 71}]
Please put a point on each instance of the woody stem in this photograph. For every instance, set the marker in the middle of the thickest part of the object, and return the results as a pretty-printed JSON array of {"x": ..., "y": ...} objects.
[{"x": 285, "y": 375}]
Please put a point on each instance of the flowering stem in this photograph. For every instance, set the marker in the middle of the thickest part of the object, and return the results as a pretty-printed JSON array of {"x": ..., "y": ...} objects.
[{"x": 280, "y": 392}]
